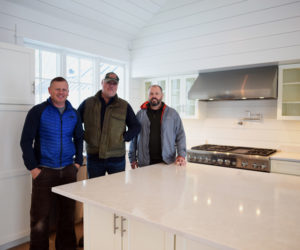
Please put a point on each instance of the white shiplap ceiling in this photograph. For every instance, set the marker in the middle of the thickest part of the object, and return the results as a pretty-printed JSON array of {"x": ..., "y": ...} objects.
[{"x": 124, "y": 18}]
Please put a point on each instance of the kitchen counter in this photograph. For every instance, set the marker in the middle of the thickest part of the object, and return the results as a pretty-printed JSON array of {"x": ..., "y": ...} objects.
[
  {"x": 286, "y": 156},
  {"x": 227, "y": 208}
]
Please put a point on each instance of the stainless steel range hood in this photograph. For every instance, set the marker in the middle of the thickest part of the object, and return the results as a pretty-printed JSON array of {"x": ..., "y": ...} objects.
[{"x": 250, "y": 83}]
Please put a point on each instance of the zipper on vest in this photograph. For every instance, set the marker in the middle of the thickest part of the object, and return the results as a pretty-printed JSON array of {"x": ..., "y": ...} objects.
[{"x": 60, "y": 160}]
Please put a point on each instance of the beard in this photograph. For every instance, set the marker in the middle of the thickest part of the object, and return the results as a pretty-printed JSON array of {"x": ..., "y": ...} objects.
[{"x": 155, "y": 102}]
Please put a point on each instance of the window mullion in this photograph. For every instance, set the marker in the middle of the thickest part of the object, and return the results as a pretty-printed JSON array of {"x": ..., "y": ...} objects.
[
  {"x": 97, "y": 75},
  {"x": 40, "y": 76},
  {"x": 63, "y": 64},
  {"x": 183, "y": 95}
]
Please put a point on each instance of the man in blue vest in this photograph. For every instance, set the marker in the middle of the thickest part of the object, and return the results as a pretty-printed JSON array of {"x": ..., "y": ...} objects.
[{"x": 52, "y": 143}]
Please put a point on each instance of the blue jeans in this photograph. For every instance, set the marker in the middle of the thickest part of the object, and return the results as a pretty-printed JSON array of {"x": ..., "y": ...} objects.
[{"x": 99, "y": 167}]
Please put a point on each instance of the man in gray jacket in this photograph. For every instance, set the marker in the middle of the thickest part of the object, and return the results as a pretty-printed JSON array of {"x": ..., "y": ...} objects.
[{"x": 161, "y": 135}]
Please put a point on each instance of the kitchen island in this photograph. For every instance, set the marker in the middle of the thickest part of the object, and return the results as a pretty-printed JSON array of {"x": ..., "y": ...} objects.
[{"x": 188, "y": 208}]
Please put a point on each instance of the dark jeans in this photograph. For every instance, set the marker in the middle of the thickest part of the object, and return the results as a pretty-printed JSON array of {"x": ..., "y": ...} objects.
[
  {"x": 43, "y": 200},
  {"x": 98, "y": 167}
]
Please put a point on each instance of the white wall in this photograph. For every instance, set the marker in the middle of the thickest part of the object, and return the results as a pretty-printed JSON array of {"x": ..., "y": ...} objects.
[
  {"x": 191, "y": 36},
  {"x": 136, "y": 93},
  {"x": 18, "y": 22},
  {"x": 221, "y": 126}
]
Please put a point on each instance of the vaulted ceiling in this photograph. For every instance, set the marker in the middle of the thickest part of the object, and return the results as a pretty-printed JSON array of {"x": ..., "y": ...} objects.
[{"x": 124, "y": 18}]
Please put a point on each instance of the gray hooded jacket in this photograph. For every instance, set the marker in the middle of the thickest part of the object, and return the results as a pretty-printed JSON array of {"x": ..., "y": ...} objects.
[{"x": 172, "y": 137}]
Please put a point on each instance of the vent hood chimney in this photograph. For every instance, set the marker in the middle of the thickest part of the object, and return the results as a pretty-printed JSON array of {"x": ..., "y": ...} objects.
[{"x": 250, "y": 83}]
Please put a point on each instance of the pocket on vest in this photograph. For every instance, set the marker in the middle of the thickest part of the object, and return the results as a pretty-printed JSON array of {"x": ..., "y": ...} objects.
[{"x": 117, "y": 129}]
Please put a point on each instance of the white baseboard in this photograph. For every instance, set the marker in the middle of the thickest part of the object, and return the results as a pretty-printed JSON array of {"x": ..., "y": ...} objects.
[{"x": 21, "y": 238}]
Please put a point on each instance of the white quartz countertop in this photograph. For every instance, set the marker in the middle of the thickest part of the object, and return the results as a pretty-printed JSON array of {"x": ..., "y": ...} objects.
[
  {"x": 286, "y": 156},
  {"x": 229, "y": 208}
]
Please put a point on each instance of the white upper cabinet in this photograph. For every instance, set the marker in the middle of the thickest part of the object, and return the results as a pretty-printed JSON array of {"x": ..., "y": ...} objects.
[
  {"x": 288, "y": 107},
  {"x": 16, "y": 74}
]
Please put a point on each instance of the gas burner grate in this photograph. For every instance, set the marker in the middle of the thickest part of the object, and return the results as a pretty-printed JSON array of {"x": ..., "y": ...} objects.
[
  {"x": 261, "y": 151},
  {"x": 212, "y": 147},
  {"x": 235, "y": 149}
]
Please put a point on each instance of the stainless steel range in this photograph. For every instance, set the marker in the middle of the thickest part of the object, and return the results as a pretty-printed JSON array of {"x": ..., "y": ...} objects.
[{"x": 234, "y": 157}]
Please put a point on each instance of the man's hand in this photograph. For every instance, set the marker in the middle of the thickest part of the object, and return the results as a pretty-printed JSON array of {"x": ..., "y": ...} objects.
[
  {"x": 77, "y": 165},
  {"x": 35, "y": 172},
  {"x": 134, "y": 164},
  {"x": 180, "y": 161}
]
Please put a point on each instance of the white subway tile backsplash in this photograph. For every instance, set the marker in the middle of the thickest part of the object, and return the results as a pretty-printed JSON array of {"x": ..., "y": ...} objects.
[{"x": 221, "y": 126}]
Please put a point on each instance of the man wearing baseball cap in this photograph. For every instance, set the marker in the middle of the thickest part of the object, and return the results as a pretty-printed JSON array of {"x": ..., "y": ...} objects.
[{"x": 105, "y": 117}]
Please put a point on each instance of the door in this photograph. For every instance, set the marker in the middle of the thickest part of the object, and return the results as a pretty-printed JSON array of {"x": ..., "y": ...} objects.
[
  {"x": 101, "y": 229},
  {"x": 144, "y": 236}
]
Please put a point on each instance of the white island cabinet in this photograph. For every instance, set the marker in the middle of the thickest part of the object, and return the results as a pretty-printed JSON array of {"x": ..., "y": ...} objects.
[
  {"x": 198, "y": 207},
  {"x": 107, "y": 230}
]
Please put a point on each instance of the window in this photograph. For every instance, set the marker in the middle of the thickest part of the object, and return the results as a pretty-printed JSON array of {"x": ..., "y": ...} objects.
[
  {"x": 47, "y": 66},
  {"x": 84, "y": 73},
  {"x": 176, "y": 90},
  {"x": 80, "y": 76},
  {"x": 175, "y": 94}
]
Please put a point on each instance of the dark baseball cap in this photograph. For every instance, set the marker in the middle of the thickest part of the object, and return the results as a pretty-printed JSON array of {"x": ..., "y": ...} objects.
[{"x": 111, "y": 76}]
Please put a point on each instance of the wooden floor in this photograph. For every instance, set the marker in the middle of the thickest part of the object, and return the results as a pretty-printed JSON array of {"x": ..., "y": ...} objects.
[{"x": 78, "y": 230}]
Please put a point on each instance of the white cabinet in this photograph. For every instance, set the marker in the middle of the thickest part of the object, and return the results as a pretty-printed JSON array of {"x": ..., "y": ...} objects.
[
  {"x": 109, "y": 231},
  {"x": 17, "y": 74},
  {"x": 285, "y": 167},
  {"x": 16, "y": 78},
  {"x": 288, "y": 107},
  {"x": 106, "y": 230}
]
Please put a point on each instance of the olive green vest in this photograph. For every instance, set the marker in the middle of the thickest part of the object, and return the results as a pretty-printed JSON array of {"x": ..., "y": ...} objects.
[{"x": 109, "y": 142}]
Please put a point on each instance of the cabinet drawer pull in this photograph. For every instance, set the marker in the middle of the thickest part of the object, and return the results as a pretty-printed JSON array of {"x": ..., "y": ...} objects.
[
  {"x": 115, "y": 223},
  {"x": 174, "y": 241},
  {"x": 122, "y": 226}
]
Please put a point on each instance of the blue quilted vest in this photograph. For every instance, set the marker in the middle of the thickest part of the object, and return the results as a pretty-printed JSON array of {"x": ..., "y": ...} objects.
[{"x": 56, "y": 133}]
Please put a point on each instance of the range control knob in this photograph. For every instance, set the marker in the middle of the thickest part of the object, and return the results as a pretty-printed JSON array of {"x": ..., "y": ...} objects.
[
  {"x": 227, "y": 162},
  {"x": 220, "y": 161},
  {"x": 244, "y": 164},
  {"x": 263, "y": 166},
  {"x": 193, "y": 157},
  {"x": 254, "y": 165}
]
